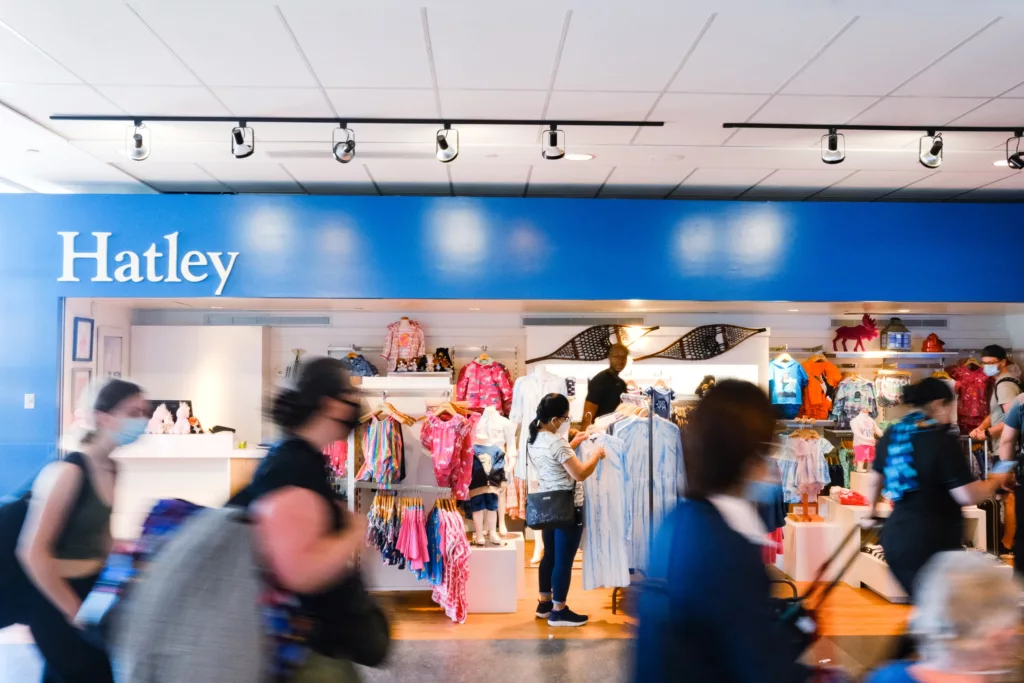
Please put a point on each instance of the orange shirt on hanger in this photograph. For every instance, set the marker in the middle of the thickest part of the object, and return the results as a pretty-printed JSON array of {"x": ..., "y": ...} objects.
[{"x": 822, "y": 379}]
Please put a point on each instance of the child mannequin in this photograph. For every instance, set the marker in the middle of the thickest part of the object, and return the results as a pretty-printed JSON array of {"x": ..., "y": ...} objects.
[{"x": 865, "y": 431}]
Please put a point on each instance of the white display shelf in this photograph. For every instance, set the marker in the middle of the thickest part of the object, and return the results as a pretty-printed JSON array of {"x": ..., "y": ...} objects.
[
  {"x": 179, "y": 447},
  {"x": 874, "y": 575},
  {"x": 879, "y": 355}
]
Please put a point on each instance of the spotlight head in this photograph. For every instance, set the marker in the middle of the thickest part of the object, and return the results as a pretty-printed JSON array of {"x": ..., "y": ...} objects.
[
  {"x": 344, "y": 150},
  {"x": 447, "y": 144},
  {"x": 833, "y": 147},
  {"x": 137, "y": 146},
  {"x": 929, "y": 151},
  {"x": 1015, "y": 158},
  {"x": 554, "y": 144},
  {"x": 243, "y": 141}
]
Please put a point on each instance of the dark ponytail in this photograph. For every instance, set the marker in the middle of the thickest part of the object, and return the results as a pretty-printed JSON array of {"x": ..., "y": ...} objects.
[
  {"x": 927, "y": 390},
  {"x": 317, "y": 379},
  {"x": 550, "y": 407}
]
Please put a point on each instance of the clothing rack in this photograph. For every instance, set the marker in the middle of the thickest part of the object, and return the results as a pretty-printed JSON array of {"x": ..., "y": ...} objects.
[
  {"x": 352, "y": 348},
  {"x": 405, "y": 488}
]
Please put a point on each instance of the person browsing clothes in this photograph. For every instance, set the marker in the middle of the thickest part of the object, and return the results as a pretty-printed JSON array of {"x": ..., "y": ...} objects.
[
  {"x": 605, "y": 389},
  {"x": 55, "y": 537},
  {"x": 1005, "y": 390}
]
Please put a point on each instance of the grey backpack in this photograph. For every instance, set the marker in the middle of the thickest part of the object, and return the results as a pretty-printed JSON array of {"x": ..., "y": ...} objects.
[{"x": 195, "y": 616}]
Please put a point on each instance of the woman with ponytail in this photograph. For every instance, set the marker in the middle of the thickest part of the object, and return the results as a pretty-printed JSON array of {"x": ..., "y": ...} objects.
[
  {"x": 55, "y": 536},
  {"x": 558, "y": 469},
  {"x": 920, "y": 466}
]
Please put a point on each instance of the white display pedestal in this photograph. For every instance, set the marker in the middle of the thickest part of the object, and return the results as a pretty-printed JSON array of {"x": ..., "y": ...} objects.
[
  {"x": 859, "y": 483},
  {"x": 847, "y": 517},
  {"x": 492, "y": 571},
  {"x": 975, "y": 524},
  {"x": 806, "y": 546},
  {"x": 518, "y": 540}
]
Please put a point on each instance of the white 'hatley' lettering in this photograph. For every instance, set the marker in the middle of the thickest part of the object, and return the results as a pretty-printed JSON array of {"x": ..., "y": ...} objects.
[{"x": 193, "y": 266}]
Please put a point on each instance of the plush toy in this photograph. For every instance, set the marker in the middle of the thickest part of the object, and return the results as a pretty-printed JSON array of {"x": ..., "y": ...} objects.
[
  {"x": 195, "y": 426},
  {"x": 442, "y": 360},
  {"x": 421, "y": 364},
  {"x": 182, "y": 425},
  {"x": 161, "y": 417},
  {"x": 866, "y": 331}
]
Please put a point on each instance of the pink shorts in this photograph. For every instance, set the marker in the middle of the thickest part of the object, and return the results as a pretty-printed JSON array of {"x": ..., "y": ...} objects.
[{"x": 863, "y": 453}]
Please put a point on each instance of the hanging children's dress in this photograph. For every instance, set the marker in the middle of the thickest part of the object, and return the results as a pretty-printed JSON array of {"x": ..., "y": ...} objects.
[
  {"x": 607, "y": 516},
  {"x": 449, "y": 440},
  {"x": 383, "y": 451}
]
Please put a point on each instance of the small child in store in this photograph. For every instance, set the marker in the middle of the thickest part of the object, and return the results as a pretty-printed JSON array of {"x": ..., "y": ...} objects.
[{"x": 865, "y": 432}]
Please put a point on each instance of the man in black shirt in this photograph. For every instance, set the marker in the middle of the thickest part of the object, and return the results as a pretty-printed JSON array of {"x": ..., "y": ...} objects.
[{"x": 606, "y": 388}]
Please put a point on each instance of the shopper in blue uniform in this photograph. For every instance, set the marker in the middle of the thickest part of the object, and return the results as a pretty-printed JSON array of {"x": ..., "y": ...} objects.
[{"x": 707, "y": 615}]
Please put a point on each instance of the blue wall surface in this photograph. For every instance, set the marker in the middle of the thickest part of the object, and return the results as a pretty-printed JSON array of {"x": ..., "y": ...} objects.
[{"x": 399, "y": 247}]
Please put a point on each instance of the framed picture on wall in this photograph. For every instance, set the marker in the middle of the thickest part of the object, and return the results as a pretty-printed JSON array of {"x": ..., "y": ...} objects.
[
  {"x": 111, "y": 353},
  {"x": 80, "y": 378},
  {"x": 81, "y": 339}
]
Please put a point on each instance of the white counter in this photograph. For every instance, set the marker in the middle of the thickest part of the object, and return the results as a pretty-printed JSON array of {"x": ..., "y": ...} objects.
[{"x": 201, "y": 468}]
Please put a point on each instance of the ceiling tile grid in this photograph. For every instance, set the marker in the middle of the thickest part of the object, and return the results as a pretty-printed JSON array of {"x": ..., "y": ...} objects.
[{"x": 692, "y": 66}]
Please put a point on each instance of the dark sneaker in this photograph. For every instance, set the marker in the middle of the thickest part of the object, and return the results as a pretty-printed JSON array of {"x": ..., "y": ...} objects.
[
  {"x": 544, "y": 609},
  {"x": 566, "y": 617}
]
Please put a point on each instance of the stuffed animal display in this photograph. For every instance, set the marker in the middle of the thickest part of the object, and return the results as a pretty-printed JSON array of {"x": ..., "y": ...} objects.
[{"x": 161, "y": 422}]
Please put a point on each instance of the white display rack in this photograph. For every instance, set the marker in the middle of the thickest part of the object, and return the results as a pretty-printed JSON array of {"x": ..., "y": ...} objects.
[{"x": 888, "y": 355}]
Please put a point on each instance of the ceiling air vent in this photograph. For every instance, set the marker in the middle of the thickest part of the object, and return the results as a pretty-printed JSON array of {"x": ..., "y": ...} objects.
[
  {"x": 228, "y": 319},
  {"x": 577, "y": 321},
  {"x": 883, "y": 319}
]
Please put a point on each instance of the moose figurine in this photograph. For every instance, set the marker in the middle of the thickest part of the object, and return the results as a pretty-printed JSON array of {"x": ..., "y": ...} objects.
[{"x": 866, "y": 331}]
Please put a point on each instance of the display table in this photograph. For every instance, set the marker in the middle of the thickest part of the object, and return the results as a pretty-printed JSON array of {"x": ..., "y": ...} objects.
[
  {"x": 859, "y": 482},
  {"x": 199, "y": 468},
  {"x": 806, "y": 546},
  {"x": 847, "y": 517},
  {"x": 518, "y": 539},
  {"x": 491, "y": 572}
]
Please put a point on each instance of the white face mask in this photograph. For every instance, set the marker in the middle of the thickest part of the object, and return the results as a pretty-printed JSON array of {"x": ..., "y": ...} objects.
[
  {"x": 563, "y": 429},
  {"x": 991, "y": 370}
]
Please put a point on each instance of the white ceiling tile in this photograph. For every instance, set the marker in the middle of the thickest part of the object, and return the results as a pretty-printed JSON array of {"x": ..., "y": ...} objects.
[
  {"x": 494, "y": 48},
  {"x": 488, "y": 179},
  {"x": 1010, "y": 188},
  {"x": 984, "y": 67},
  {"x": 250, "y": 175},
  {"x": 799, "y": 109},
  {"x": 20, "y": 63},
  {"x": 426, "y": 177},
  {"x": 362, "y": 47},
  {"x": 867, "y": 185},
  {"x": 790, "y": 184},
  {"x": 626, "y": 50},
  {"x": 229, "y": 44},
  {"x": 755, "y": 52},
  {"x": 946, "y": 184},
  {"x": 641, "y": 181},
  {"x": 1000, "y": 112},
  {"x": 697, "y": 119},
  {"x": 370, "y": 103},
  {"x": 880, "y": 51},
  {"x": 493, "y": 104},
  {"x": 164, "y": 101},
  {"x": 567, "y": 178},
  {"x": 38, "y": 102},
  {"x": 911, "y": 111},
  {"x": 275, "y": 101},
  {"x": 327, "y": 176},
  {"x": 173, "y": 177},
  {"x": 613, "y": 106},
  {"x": 102, "y": 42},
  {"x": 1016, "y": 92},
  {"x": 720, "y": 182}
]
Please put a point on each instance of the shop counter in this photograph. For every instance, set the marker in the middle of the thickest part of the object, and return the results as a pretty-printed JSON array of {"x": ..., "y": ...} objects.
[{"x": 205, "y": 469}]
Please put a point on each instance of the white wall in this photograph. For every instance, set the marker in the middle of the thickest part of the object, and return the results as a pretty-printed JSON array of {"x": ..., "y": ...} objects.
[
  {"x": 220, "y": 369},
  {"x": 108, "y": 315}
]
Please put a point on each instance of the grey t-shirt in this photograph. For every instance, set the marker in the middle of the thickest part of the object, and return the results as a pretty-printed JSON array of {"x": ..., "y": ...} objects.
[
  {"x": 547, "y": 454},
  {"x": 1002, "y": 393}
]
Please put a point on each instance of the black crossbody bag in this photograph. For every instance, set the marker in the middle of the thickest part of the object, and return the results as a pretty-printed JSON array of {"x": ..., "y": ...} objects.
[{"x": 551, "y": 509}]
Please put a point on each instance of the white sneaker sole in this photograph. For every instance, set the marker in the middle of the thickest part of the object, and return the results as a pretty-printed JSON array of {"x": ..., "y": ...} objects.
[{"x": 567, "y": 624}]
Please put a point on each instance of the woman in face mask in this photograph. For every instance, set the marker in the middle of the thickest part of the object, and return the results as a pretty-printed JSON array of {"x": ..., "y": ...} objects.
[
  {"x": 59, "y": 531},
  {"x": 558, "y": 469},
  {"x": 707, "y": 615}
]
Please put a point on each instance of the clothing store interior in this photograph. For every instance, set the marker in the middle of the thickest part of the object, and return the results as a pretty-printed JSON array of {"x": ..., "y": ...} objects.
[{"x": 423, "y": 370}]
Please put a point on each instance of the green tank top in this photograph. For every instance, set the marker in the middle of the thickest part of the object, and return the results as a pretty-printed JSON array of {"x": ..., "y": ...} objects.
[{"x": 87, "y": 528}]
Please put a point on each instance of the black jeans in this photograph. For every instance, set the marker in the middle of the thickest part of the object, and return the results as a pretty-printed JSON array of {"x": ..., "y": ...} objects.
[
  {"x": 67, "y": 656},
  {"x": 560, "y": 546}
]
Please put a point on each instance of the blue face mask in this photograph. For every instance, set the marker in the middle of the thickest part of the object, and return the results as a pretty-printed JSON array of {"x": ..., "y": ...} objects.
[
  {"x": 131, "y": 429},
  {"x": 991, "y": 370},
  {"x": 758, "y": 491}
]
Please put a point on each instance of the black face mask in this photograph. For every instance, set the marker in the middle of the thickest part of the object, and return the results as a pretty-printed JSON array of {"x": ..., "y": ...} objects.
[{"x": 351, "y": 423}]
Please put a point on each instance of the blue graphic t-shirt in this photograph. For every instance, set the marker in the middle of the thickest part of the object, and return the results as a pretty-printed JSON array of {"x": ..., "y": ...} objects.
[{"x": 786, "y": 382}]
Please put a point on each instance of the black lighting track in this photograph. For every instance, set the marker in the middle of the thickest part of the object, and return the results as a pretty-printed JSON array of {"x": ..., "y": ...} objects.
[
  {"x": 852, "y": 126},
  {"x": 342, "y": 120}
]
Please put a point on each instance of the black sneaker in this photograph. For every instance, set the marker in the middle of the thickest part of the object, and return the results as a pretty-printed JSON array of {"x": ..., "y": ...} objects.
[
  {"x": 544, "y": 609},
  {"x": 566, "y": 617}
]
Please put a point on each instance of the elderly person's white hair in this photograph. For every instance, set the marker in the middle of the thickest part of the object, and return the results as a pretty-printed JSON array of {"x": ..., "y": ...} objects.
[{"x": 967, "y": 613}]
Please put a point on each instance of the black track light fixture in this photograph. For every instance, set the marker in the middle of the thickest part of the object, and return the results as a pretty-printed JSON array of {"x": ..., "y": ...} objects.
[
  {"x": 929, "y": 149},
  {"x": 447, "y": 147},
  {"x": 344, "y": 149},
  {"x": 1015, "y": 159},
  {"x": 137, "y": 147},
  {"x": 243, "y": 141},
  {"x": 554, "y": 143},
  {"x": 833, "y": 147}
]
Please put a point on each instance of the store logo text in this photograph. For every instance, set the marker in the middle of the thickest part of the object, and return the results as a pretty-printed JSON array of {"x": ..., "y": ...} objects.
[{"x": 193, "y": 266}]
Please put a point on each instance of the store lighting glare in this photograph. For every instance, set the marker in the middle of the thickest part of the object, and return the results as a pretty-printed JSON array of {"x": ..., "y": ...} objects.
[
  {"x": 930, "y": 150},
  {"x": 1015, "y": 159},
  {"x": 833, "y": 147},
  {"x": 447, "y": 144},
  {"x": 1002, "y": 163},
  {"x": 554, "y": 144},
  {"x": 138, "y": 142},
  {"x": 343, "y": 150},
  {"x": 793, "y": 310},
  {"x": 579, "y": 157},
  {"x": 243, "y": 141},
  {"x": 903, "y": 310}
]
